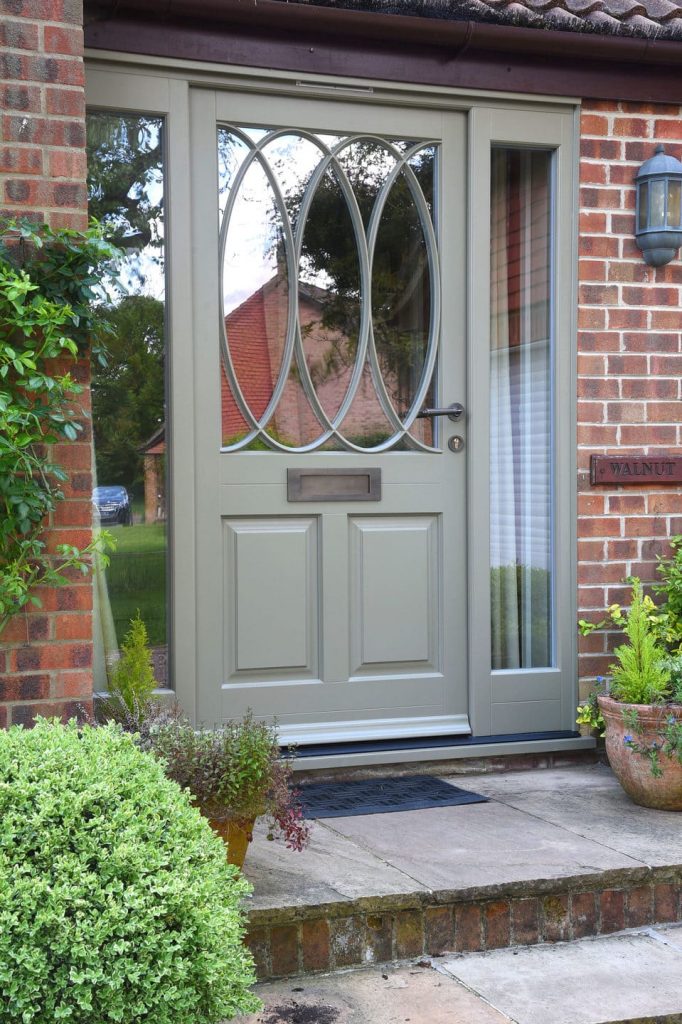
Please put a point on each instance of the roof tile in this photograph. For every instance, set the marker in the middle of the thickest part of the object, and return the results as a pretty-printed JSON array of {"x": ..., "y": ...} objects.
[
  {"x": 651, "y": 18},
  {"x": 623, "y": 8},
  {"x": 659, "y": 19},
  {"x": 641, "y": 25},
  {"x": 661, "y": 10},
  {"x": 583, "y": 7},
  {"x": 560, "y": 18},
  {"x": 604, "y": 22}
]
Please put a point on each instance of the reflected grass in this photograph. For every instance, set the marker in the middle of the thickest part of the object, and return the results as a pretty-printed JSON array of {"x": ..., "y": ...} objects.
[{"x": 136, "y": 579}]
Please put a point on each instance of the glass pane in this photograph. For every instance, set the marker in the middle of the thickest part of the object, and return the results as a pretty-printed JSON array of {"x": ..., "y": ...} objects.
[
  {"x": 342, "y": 214},
  {"x": 657, "y": 194},
  {"x": 643, "y": 206},
  {"x": 521, "y": 550},
  {"x": 401, "y": 288},
  {"x": 126, "y": 192},
  {"x": 329, "y": 292},
  {"x": 674, "y": 212}
]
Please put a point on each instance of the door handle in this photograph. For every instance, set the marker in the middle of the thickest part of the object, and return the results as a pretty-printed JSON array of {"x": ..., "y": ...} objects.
[{"x": 453, "y": 412}]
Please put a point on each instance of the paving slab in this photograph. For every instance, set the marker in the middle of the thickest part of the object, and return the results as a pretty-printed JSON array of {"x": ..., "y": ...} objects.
[
  {"x": 332, "y": 869},
  {"x": 377, "y": 996},
  {"x": 590, "y": 803},
  {"x": 478, "y": 845},
  {"x": 628, "y": 977}
]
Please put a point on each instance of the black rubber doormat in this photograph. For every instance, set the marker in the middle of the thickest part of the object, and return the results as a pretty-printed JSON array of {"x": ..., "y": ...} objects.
[{"x": 379, "y": 796}]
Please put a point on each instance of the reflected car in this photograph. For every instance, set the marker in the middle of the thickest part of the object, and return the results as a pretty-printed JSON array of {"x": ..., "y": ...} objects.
[{"x": 112, "y": 505}]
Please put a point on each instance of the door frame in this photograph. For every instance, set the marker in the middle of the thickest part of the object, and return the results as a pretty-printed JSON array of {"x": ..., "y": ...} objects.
[{"x": 158, "y": 86}]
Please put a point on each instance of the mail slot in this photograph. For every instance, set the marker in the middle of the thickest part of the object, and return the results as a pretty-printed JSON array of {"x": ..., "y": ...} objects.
[{"x": 334, "y": 484}]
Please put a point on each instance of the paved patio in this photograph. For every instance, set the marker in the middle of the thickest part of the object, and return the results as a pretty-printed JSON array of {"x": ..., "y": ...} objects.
[
  {"x": 556, "y": 854},
  {"x": 629, "y": 978}
]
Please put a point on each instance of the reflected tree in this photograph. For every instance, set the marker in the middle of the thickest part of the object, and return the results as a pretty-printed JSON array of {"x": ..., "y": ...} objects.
[
  {"x": 125, "y": 178},
  {"x": 128, "y": 393},
  {"x": 400, "y": 272},
  {"x": 125, "y": 193}
]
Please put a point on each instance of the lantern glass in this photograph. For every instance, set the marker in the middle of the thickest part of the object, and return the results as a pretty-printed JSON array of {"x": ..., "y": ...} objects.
[
  {"x": 674, "y": 204},
  {"x": 643, "y": 206},
  {"x": 657, "y": 196}
]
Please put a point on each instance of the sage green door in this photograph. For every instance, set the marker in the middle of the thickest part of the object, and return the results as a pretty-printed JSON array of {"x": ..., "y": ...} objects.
[{"x": 329, "y": 312}]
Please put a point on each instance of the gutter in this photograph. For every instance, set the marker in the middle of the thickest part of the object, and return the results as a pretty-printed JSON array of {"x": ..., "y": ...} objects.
[{"x": 296, "y": 18}]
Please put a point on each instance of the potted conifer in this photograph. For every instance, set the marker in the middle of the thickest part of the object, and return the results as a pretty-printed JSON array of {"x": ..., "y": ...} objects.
[{"x": 640, "y": 711}]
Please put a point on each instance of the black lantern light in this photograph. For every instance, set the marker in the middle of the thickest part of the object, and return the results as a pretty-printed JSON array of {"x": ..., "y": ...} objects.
[{"x": 659, "y": 208}]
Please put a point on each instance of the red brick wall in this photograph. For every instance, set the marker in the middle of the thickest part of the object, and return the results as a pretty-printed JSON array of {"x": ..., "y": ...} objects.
[
  {"x": 46, "y": 655},
  {"x": 629, "y": 362}
]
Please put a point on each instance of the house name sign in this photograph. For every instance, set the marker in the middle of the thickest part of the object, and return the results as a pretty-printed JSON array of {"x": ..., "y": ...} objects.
[{"x": 633, "y": 470}]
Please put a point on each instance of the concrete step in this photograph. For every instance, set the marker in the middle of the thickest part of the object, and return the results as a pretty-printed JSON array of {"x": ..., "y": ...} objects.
[
  {"x": 556, "y": 855},
  {"x": 632, "y": 977},
  {"x": 627, "y": 978}
]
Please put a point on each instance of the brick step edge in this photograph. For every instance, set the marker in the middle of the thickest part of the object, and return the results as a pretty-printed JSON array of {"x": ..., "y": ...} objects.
[{"x": 342, "y": 935}]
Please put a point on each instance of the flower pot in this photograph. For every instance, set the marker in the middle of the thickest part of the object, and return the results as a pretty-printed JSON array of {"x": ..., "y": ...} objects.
[
  {"x": 632, "y": 769},
  {"x": 236, "y": 833}
]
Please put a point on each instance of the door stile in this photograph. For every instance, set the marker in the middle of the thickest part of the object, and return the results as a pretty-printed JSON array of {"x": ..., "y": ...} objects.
[
  {"x": 180, "y": 425},
  {"x": 205, "y": 287},
  {"x": 453, "y": 387}
]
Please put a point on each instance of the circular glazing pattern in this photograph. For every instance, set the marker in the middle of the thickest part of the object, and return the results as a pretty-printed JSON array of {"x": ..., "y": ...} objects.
[{"x": 330, "y": 290}]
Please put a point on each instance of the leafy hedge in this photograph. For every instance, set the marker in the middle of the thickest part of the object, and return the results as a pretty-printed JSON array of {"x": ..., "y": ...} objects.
[
  {"x": 116, "y": 900},
  {"x": 47, "y": 317}
]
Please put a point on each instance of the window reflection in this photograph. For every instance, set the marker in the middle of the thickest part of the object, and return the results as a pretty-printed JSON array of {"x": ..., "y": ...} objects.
[
  {"x": 126, "y": 192},
  {"x": 328, "y": 269}
]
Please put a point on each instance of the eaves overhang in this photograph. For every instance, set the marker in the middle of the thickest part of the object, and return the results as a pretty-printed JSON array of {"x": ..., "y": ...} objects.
[{"x": 307, "y": 37}]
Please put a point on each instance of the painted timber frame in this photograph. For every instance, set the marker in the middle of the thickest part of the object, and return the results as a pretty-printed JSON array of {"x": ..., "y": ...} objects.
[{"x": 121, "y": 82}]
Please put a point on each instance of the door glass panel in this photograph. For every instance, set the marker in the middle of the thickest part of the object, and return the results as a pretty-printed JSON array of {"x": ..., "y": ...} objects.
[
  {"x": 126, "y": 193},
  {"x": 329, "y": 293},
  {"x": 401, "y": 293},
  {"x": 521, "y": 401},
  {"x": 330, "y": 290}
]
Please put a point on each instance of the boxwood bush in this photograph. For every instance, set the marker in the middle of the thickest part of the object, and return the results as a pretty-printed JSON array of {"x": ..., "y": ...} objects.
[{"x": 116, "y": 900}]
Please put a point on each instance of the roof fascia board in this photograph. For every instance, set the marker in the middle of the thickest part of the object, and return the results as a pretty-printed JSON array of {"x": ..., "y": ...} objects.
[{"x": 460, "y": 36}]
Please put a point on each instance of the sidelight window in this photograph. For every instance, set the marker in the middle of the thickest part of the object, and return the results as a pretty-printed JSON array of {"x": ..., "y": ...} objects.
[{"x": 521, "y": 404}]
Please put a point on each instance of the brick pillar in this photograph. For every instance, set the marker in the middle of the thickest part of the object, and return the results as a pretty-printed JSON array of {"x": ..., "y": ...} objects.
[
  {"x": 629, "y": 364},
  {"x": 46, "y": 654}
]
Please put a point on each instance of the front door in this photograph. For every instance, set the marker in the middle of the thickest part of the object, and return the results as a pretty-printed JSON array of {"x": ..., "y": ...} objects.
[{"x": 329, "y": 314}]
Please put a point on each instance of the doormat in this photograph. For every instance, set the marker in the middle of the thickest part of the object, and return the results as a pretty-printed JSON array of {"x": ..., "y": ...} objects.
[{"x": 380, "y": 796}]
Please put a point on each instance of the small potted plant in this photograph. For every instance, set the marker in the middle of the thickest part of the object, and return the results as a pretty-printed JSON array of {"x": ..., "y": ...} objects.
[
  {"x": 640, "y": 711},
  {"x": 235, "y": 773}
]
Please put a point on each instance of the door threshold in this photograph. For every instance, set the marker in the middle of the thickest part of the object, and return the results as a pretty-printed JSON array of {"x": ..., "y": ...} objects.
[{"x": 436, "y": 748}]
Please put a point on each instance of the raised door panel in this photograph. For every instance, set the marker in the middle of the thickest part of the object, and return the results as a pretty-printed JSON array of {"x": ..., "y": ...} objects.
[
  {"x": 271, "y": 597},
  {"x": 394, "y": 585}
]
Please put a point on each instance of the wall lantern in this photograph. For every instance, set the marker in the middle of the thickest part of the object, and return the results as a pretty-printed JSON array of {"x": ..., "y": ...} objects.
[{"x": 659, "y": 209}]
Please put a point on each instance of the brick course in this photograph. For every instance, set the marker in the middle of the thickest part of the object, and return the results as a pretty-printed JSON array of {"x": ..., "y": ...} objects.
[
  {"x": 325, "y": 940},
  {"x": 46, "y": 654},
  {"x": 629, "y": 344}
]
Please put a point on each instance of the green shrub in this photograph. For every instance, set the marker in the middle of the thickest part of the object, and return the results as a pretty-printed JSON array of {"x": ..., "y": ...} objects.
[
  {"x": 132, "y": 679},
  {"x": 116, "y": 901}
]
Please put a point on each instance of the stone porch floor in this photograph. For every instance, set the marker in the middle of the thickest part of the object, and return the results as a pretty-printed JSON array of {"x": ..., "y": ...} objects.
[{"x": 557, "y": 854}]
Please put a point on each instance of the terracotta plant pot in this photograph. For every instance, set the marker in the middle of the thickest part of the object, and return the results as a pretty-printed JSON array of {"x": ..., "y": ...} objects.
[
  {"x": 633, "y": 770},
  {"x": 236, "y": 833}
]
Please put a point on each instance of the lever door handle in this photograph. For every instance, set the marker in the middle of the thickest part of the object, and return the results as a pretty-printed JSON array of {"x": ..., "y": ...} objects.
[{"x": 453, "y": 412}]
